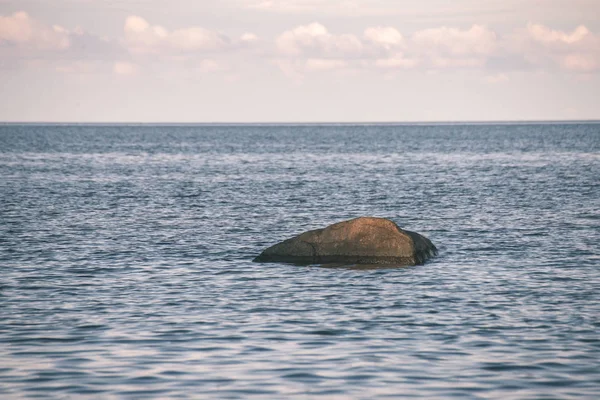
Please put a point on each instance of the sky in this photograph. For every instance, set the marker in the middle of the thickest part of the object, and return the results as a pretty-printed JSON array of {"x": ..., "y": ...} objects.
[{"x": 299, "y": 60}]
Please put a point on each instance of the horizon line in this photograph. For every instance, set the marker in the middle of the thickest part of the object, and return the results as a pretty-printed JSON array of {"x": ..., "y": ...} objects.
[{"x": 313, "y": 123}]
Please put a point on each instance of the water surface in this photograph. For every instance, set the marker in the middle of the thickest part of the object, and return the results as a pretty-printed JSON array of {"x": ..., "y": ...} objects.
[{"x": 125, "y": 262}]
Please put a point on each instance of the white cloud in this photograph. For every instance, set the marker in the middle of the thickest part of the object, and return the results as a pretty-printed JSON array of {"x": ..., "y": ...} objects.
[
  {"x": 315, "y": 40},
  {"x": 194, "y": 39},
  {"x": 55, "y": 48},
  {"x": 441, "y": 47},
  {"x": 135, "y": 24},
  {"x": 21, "y": 30},
  {"x": 124, "y": 68},
  {"x": 577, "y": 51},
  {"x": 385, "y": 47},
  {"x": 387, "y": 37},
  {"x": 543, "y": 34},
  {"x": 248, "y": 37},
  {"x": 476, "y": 41},
  {"x": 304, "y": 48},
  {"x": 143, "y": 38}
]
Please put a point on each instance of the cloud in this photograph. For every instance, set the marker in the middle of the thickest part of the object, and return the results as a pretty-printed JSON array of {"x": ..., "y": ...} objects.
[
  {"x": 386, "y": 48},
  {"x": 577, "y": 51},
  {"x": 24, "y": 39},
  {"x": 249, "y": 37},
  {"x": 451, "y": 47},
  {"x": 19, "y": 29},
  {"x": 315, "y": 40},
  {"x": 386, "y": 37},
  {"x": 124, "y": 68},
  {"x": 543, "y": 34},
  {"x": 27, "y": 43},
  {"x": 301, "y": 49},
  {"x": 190, "y": 51},
  {"x": 312, "y": 48},
  {"x": 142, "y": 38},
  {"x": 435, "y": 48}
]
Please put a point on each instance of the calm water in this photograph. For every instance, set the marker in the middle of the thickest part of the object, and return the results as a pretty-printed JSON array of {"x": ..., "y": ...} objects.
[{"x": 125, "y": 262}]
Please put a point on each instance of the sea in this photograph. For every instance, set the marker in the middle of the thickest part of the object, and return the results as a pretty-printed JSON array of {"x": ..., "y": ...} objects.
[{"x": 126, "y": 261}]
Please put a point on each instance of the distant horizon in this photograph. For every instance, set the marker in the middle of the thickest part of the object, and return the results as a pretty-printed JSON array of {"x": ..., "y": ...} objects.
[{"x": 315, "y": 123}]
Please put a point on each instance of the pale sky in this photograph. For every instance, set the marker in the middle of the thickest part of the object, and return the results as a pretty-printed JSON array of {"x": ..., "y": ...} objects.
[{"x": 299, "y": 60}]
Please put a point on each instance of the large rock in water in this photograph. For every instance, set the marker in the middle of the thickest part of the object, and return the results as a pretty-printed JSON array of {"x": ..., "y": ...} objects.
[{"x": 364, "y": 240}]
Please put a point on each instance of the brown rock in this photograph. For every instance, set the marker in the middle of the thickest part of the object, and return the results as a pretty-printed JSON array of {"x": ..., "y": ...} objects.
[{"x": 364, "y": 240}]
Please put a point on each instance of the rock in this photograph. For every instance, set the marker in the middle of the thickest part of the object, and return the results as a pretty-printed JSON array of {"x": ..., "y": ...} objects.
[{"x": 364, "y": 240}]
